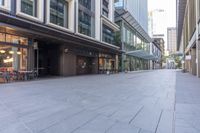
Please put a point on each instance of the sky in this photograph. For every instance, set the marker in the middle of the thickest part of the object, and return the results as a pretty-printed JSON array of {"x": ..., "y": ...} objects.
[{"x": 170, "y": 8}]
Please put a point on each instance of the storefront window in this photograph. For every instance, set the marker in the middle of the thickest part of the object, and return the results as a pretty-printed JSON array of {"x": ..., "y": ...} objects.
[
  {"x": 29, "y": 7},
  {"x": 12, "y": 58},
  {"x": 106, "y": 63},
  {"x": 2, "y": 37},
  {"x": 1, "y": 2},
  {"x": 13, "y": 39},
  {"x": 16, "y": 39},
  {"x": 58, "y": 12}
]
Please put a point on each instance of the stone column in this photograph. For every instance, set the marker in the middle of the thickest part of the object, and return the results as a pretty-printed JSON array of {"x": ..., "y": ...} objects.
[
  {"x": 198, "y": 58},
  {"x": 193, "y": 61},
  {"x": 197, "y": 40},
  {"x": 31, "y": 58},
  {"x": 117, "y": 63}
]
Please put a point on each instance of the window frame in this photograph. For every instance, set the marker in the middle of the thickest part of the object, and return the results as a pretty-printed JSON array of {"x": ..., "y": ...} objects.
[
  {"x": 34, "y": 11},
  {"x": 39, "y": 10},
  {"x": 65, "y": 14},
  {"x": 6, "y": 5},
  {"x": 2, "y": 2}
]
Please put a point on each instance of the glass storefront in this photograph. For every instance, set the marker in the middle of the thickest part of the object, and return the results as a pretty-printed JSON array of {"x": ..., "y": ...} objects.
[
  {"x": 13, "y": 52},
  {"x": 59, "y": 12},
  {"x": 12, "y": 58},
  {"x": 107, "y": 63},
  {"x": 135, "y": 64}
]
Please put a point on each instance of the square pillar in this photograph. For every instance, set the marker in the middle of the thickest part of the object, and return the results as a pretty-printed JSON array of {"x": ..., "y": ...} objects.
[
  {"x": 117, "y": 63},
  {"x": 193, "y": 61},
  {"x": 198, "y": 58}
]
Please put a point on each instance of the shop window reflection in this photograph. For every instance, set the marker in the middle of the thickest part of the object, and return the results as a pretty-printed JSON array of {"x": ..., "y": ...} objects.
[
  {"x": 106, "y": 63},
  {"x": 16, "y": 39},
  {"x": 2, "y": 37},
  {"x": 13, "y": 39},
  {"x": 12, "y": 58}
]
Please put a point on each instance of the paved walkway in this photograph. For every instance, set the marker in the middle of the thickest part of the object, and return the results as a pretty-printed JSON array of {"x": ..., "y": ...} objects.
[
  {"x": 121, "y": 103},
  {"x": 187, "y": 104}
]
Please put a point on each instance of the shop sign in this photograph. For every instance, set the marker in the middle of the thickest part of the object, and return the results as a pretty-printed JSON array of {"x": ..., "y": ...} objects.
[
  {"x": 188, "y": 57},
  {"x": 35, "y": 45}
]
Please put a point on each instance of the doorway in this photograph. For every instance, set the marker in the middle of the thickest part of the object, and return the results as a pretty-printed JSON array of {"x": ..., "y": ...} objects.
[
  {"x": 85, "y": 65},
  {"x": 48, "y": 60}
]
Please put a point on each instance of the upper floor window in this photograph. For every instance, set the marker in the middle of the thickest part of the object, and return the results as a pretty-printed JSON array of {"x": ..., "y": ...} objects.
[
  {"x": 59, "y": 12},
  {"x": 119, "y": 3},
  {"x": 84, "y": 23},
  {"x": 29, "y": 7},
  {"x": 105, "y": 3},
  {"x": 108, "y": 35},
  {"x": 1, "y": 2},
  {"x": 105, "y": 9},
  {"x": 86, "y": 3},
  {"x": 105, "y": 13}
]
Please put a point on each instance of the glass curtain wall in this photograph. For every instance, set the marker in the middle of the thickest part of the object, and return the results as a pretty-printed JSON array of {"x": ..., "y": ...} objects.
[
  {"x": 129, "y": 39},
  {"x": 59, "y": 12},
  {"x": 132, "y": 41},
  {"x": 29, "y": 7}
]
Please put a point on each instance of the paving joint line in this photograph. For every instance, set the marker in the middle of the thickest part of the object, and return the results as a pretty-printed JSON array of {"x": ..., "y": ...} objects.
[
  {"x": 93, "y": 118},
  {"x": 159, "y": 121},
  {"x": 63, "y": 120},
  {"x": 136, "y": 114}
]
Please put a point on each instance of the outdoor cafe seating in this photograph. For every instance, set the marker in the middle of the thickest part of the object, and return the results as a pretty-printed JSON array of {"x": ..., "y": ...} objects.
[{"x": 9, "y": 75}]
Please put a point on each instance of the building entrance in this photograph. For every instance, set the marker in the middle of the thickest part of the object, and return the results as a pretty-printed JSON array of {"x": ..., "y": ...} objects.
[
  {"x": 47, "y": 60},
  {"x": 85, "y": 65}
]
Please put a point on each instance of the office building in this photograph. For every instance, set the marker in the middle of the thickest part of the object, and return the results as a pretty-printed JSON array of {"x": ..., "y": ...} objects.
[
  {"x": 58, "y": 37},
  {"x": 137, "y": 8},
  {"x": 171, "y": 40},
  {"x": 188, "y": 31},
  {"x": 154, "y": 24},
  {"x": 159, "y": 42},
  {"x": 134, "y": 39}
]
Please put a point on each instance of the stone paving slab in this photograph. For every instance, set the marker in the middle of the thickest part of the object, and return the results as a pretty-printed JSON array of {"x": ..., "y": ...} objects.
[
  {"x": 187, "y": 116},
  {"x": 163, "y": 101}
]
